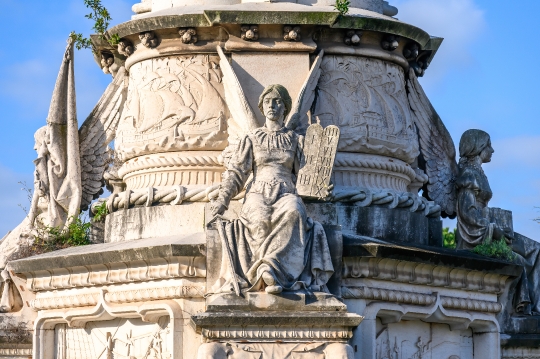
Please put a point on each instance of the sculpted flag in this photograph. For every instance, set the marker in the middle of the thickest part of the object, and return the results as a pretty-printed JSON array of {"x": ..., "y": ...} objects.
[{"x": 63, "y": 167}]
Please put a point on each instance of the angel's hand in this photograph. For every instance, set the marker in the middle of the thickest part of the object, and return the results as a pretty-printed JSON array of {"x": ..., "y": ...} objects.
[
  {"x": 218, "y": 208},
  {"x": 329, "y": 192}
]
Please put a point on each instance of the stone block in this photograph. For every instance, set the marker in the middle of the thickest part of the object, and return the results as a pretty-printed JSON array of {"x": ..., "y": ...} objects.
[
  {"x": 153, "y": 222},
  {"x": 296, "y": 301},
  {"x": 255, "y": 71},
  {"x": 396, "y": 225}
]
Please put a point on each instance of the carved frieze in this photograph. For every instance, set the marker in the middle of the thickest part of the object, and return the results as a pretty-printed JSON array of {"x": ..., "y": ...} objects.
[
  {"x": 193, "y": 168},
  {"x": 173, "y": 104},
  {"x": 423, "y": 340},
  {"x": 404, "y": 297},
  {"x": 424, "y": 274},
  {"x": 118, "y": 338},
  {"x": 143, "y": 294},
  {"x": 367, "y": 100},
  {"x": 116, "y": 273}
]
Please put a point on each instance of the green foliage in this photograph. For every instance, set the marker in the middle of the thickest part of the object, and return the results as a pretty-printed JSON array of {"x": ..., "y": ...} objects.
[
  {"x": 100, "y": 212},
  {"x": 495, "y": 249},
  {"x": 102, "y": 18},
  {"x": 449, "y": 238},
  {"x": 342, "y": 6},
  {"x": 48, "y": 239}
]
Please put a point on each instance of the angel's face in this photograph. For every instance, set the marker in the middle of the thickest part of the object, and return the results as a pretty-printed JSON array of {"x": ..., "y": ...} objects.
[
  {"x": 273, "y": 106},
  {"x": 486, "y": 153}
]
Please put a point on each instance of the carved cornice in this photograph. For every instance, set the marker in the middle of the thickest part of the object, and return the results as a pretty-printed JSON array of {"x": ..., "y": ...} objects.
[
  {"x": 119, "y": 297},
  {"x": 169, "y": 161},
  {"x": 423, "y": 274},
  {"x": 15, "y": 352},
  {"x": 403, "y": 297},
  {"x": 387, "y": 295},
  {"x": 520, "y": 353},
  {"x": 116, "y": 273},
  {"x": 374, "y": 162},
  {"x": 274, "y": 333},
  {"x": 471, "y": 305}
]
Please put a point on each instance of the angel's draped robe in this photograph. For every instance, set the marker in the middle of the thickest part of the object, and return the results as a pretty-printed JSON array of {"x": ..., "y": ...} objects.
[
  {"x": 474, "y": 227},
  {"x": 273, "y": 232}
]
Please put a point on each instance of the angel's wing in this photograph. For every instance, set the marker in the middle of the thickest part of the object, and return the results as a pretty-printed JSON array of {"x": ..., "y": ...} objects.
[
  {"x": 97, "y": 131},
  {"x": 436, "y": 147},
  {"x": 298, "y": 117},
  {"x": 243, "y": 119}
]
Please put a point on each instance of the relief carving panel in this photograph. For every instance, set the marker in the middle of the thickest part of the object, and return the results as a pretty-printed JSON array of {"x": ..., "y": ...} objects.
[
  {"x": 367, "y": 99},
  {"x": 118, "y": 338},
  {"x": 173, "y": 104},
  {"x": 425, "y": 341}
]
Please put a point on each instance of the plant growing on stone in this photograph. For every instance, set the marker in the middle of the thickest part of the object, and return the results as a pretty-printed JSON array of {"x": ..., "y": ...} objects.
[
  {"x": 449, "y": 238},
  {"x": 342, "y": 6},
  {"x": 495, "y": 249},
  {"x": 100, "y": 212},
  {"x": 102, "y": 19}
]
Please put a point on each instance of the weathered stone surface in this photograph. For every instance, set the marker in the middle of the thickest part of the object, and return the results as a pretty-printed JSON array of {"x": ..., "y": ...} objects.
[
  {"x": 154, "y": 222},
  {"x": 296, "y": 301},
  {"x": 319, "y": 154},
  {"x": 396, "y": 225},
  {"x": 360, "y": 246},
  {"x": 255, "y": 71},
  {"x": 145, "y": 249}
]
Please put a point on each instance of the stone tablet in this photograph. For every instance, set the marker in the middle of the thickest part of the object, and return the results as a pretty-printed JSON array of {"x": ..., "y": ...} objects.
[{"x": 319, "y": 151}]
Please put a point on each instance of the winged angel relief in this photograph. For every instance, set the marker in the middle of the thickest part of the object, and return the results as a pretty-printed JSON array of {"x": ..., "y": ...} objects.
[
  {"x": 71, "y": 161},
  {"x": 274, "y": 245}
]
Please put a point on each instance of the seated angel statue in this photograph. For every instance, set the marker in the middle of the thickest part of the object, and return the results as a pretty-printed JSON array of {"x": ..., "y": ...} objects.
[{"x": 274, "y": 244}]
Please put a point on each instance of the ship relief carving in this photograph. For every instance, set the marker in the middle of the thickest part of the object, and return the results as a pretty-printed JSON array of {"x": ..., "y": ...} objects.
[
  {"x": 173, "y": 104},
  {"x": 367, "y": 99}
]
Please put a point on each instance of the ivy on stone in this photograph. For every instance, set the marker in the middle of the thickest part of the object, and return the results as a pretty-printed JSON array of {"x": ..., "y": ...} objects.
[
  {"x": 102, "y": 19},
  {"x": 342, "y": 6}
]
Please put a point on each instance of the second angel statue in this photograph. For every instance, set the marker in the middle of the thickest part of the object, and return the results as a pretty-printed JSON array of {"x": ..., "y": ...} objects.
[{"x": 273, "y": 245}]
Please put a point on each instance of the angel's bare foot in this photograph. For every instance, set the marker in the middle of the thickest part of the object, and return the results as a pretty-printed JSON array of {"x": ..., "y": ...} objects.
[
  {"x": 268, "y": 279},
  {"x": 273, "y": 289}
]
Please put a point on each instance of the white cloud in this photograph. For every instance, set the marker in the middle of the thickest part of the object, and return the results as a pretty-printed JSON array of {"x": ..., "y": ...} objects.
[{"x": 459, "y": 22}]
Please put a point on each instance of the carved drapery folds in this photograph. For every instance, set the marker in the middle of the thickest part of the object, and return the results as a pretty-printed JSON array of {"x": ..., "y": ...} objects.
[
  {"x": 173, "y": 104},
  {"x": 366, "y": 98}
]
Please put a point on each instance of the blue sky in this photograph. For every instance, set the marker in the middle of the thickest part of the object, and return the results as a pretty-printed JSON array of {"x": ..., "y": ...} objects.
[{"x": 484, "y": 76}]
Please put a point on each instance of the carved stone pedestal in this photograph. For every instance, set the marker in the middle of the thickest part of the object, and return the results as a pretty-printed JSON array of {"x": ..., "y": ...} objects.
[{"x": 301, "y": 324}]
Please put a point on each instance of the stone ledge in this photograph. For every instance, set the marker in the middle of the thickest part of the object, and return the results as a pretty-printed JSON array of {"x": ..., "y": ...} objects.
[
  {"x": 520, "y": 341},
  {"x": 274, "y": 318},
  {"x": 269, "y": 13},
  {"x": 118, "y": 252},
  {"x": 297, "y": 301},
  {"x": 360, "y": 246}
]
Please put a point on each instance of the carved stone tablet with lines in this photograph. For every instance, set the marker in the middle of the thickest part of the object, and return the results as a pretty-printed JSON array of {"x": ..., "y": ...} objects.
[{"x": 320, "y": 148}]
